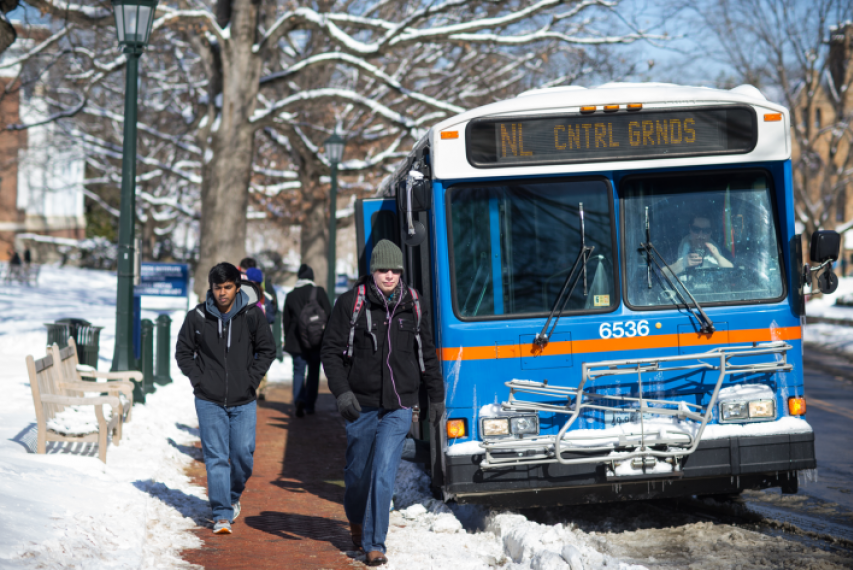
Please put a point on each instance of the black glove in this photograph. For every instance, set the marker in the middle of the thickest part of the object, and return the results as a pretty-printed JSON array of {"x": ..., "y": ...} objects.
[
  {"x": 436, "y": 411},
  {"x": 348, "y": 406}
]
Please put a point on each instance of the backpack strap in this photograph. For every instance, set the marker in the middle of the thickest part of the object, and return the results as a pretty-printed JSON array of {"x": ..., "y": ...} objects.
[
  {"x": 417, "y": 306},
  {"x": 360, "y": 302},
  {"x": 313, "y": 296}
]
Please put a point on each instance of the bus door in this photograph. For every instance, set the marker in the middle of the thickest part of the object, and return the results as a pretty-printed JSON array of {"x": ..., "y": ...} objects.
[{"x": 375, "y": 220}]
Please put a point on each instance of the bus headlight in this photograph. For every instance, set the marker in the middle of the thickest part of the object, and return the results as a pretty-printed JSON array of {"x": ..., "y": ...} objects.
[
  {"x": 762, "y": 409},
  {"x": 495, "y": 426},
  {"x": 732, "y": 411},
  {"x": 510, "y": 425},
  {"x": 750, "y": 411},
  {"x": 525, "y": 425}
]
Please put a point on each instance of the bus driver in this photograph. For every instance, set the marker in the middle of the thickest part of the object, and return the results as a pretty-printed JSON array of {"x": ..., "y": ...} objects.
[{"x": 697, "y": 249}]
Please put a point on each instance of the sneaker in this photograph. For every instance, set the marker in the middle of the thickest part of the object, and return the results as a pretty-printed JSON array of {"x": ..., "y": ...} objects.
[
  {"x": 222, "y": 526},
  {"x": 236, "y": 507}
]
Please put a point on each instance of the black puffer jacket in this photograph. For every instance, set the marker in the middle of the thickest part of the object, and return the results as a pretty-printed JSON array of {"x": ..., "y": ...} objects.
[
  {"x": 367, "y": 375},
  {"x": 221, "y": 374}
]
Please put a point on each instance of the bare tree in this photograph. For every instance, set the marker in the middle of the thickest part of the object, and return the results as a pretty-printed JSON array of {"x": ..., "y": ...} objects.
[
  {"x": 239, "y": 95},
  {"x": 799, "y": 53}
]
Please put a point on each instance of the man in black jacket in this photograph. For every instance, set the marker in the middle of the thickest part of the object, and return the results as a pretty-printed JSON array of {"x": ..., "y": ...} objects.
[
  {"x": 377, "y": 388},
  {"x": 225, "y": 347},
  {"x": 305, "y": 358}
]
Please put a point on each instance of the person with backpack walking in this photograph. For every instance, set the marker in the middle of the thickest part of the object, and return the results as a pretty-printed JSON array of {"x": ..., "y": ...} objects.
[
  {"x": 377, "y": 350},
  {"x": 225, "y": 347},
  {"x": 306, "y": 311}
]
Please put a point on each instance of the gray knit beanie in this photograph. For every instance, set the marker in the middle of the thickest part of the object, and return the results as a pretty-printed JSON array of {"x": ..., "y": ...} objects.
[{"x": 386, "y": 255}]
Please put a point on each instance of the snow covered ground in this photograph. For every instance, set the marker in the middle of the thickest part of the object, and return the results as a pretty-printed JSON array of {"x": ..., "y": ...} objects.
[
  {"x": 832, "y": 337},
  {"x": 66, "y": 509}
]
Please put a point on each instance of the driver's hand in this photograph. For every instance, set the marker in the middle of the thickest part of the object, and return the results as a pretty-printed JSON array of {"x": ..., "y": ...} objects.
[
  {"x": 694, "y": 259},
  {"x": 712, "y": 249}
]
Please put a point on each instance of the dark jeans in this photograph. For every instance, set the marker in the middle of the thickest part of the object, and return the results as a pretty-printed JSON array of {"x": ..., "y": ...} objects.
[
  {"x": 374, "y": 446},
  {"x": 228, "y": 444},
  {"x": 305, "y": 389}
]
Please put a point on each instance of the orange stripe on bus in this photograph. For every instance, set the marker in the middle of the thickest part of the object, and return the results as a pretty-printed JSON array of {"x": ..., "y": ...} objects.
[{"x": 618, "y": 344}]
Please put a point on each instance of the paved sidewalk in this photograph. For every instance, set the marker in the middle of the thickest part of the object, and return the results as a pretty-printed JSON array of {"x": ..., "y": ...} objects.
[{"x": 293, "y": 516}]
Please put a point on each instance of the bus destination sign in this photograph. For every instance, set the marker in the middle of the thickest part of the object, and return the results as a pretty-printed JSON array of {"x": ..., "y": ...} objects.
[{"x": 638, "y": 135}]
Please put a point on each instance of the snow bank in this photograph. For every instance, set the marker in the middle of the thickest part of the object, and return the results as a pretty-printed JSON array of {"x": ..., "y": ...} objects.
[
  {"x": 66, "y": 509},
  {"x": 426, "y": 533}
]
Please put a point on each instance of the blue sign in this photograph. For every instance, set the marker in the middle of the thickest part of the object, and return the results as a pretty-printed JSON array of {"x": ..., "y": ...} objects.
[{"x": 163, "y": 280}]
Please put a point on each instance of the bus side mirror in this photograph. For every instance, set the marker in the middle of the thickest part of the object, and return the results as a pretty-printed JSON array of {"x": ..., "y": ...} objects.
[
  {"x": 823, "y": 250},
  {"x": 416, "y": 196},
  {"x": 825, "y": 246}
]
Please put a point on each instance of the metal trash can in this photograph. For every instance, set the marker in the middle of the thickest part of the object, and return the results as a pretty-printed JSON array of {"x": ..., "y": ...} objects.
[{"x": 85, "y": 335}]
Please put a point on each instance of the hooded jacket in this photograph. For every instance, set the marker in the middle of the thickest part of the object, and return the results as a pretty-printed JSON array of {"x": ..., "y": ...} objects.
[
  {"x": 225, "y": 356},
  {"x": 379, "y": 374}
]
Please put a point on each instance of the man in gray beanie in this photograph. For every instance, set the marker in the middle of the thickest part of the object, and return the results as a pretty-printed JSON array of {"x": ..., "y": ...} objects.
[{"x": 375, "y": 371}]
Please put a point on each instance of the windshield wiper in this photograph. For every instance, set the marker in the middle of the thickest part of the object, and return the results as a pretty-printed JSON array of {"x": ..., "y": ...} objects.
[
  {"x": 544, "y": 335},
  {"x": 705, "y": 322}
]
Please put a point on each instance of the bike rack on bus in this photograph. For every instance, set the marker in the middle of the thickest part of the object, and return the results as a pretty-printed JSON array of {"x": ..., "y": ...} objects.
[{"x": 669, "y": 443}]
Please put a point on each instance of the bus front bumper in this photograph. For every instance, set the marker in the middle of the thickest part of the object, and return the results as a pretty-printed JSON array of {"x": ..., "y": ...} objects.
[{"x": 719, "y": 466}]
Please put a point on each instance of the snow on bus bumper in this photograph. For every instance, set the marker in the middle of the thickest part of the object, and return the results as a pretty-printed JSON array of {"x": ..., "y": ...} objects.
[{"x": 723, "y": 462}]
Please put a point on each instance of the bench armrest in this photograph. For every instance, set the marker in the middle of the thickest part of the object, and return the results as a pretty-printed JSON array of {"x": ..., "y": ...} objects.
[
  {"x": 80, "y": 386},
  {"x": 111, "y": 401},
  {"x": 127, "y": 375},
  {"x": 120, "y": 385}
]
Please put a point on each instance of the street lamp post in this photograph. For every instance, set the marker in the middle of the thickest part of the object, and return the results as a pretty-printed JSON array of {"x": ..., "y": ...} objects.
[
  {"x": 334, "y": 152},
  {"x": 133, "y": 26}
]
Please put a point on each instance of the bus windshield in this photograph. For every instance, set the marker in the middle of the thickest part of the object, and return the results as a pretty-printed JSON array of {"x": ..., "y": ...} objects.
[
  {"x": 514, "y": 243},
  {"x": 716, "y": 232}
]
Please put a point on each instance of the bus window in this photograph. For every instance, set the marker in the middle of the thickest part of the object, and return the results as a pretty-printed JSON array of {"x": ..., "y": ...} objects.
[
  {"x": 514, "y": 245},
  {"x": 716, "y": 232}
]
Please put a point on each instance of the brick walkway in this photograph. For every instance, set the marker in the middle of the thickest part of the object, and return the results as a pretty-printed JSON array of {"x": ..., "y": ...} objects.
[{"x": 293, "y": 516}]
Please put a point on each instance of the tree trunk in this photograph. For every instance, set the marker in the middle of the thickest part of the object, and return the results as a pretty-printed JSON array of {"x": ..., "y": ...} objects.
[
  {"x": 228, "y": 161},
  {"x": 315, "y": 232}
]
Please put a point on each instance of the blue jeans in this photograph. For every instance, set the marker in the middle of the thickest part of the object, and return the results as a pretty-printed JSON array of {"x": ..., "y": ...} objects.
[
  {"x": 306, "y": 391},
  {"x": 374, "y": 446},
  {"x": 228, "y": 444}
]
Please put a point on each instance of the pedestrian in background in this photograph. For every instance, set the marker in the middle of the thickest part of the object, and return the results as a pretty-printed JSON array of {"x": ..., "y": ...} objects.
[
  {"x": 375, "y": 367},
  {"x": 301, "y": 305},
  {"x": 264, "y": 303},
  {"x": 225, "y": 367}
]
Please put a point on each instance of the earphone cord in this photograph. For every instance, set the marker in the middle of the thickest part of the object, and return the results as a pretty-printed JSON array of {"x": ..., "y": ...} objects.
[{"x": 390, "y": 316}]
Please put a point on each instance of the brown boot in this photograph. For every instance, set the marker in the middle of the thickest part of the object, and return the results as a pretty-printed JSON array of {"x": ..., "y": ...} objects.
[
  {"x": 375, "y": 558},
  {"x": 355, "y": 532}
]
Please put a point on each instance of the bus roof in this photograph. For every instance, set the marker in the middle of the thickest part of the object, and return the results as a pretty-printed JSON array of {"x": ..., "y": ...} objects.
[{"x": 450, "y": 159}]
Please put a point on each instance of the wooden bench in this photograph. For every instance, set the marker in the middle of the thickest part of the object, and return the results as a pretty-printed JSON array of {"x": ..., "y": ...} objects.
[
  {"x": 52, "y": 394},
  {"x": 73, "y": 370}
]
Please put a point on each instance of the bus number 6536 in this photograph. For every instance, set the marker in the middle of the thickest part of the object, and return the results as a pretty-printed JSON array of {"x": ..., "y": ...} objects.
[{"x": 619, "y": 329}]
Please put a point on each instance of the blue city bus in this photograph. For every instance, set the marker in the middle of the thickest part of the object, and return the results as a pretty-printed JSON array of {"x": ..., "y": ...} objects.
[{"x": 616, "y": 290}]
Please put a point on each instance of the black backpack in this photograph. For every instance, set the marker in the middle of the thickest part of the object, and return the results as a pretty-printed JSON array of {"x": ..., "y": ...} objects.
[{"x": 311, "y": 322}]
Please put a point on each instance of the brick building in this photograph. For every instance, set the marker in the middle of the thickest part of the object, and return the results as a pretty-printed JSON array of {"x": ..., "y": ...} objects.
[{"x": 41, "y": 176}]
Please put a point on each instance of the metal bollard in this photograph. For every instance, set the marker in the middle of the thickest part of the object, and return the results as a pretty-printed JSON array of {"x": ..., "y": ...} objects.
[
  {"x": 163, "y": 362},
  {"x": 277, "y": 334},
  {"x": 148, "y": 355}
]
